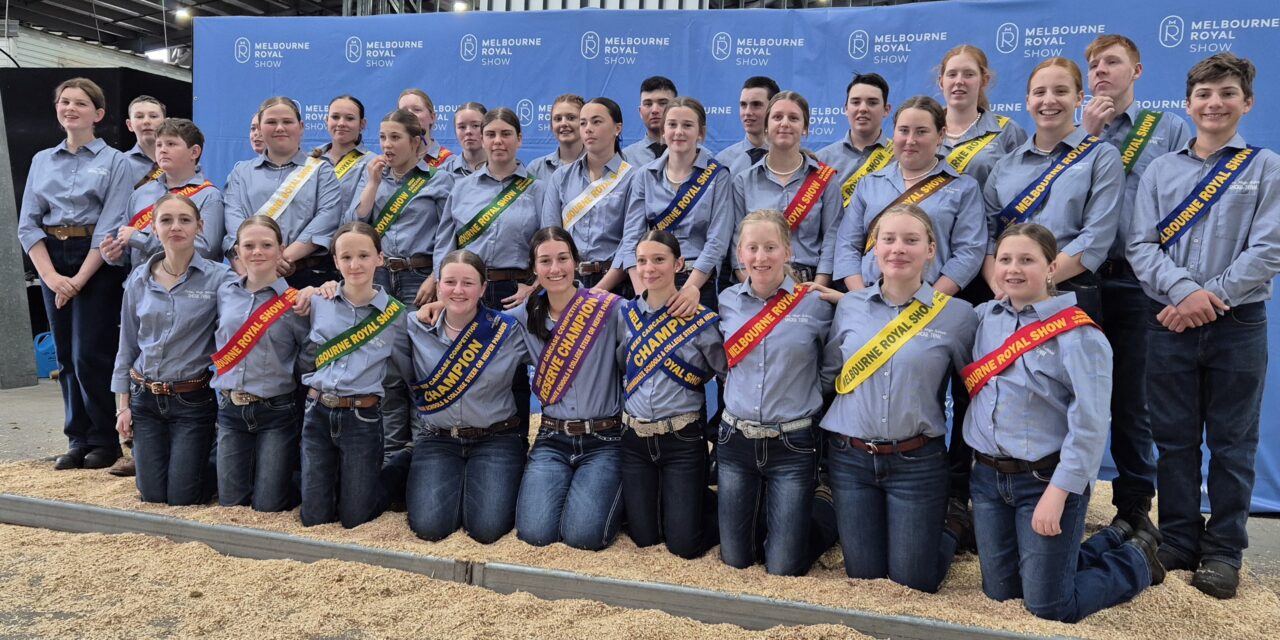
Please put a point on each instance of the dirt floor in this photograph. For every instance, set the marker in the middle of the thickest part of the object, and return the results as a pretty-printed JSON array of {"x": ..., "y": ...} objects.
[{"x": 1172, "y": 610}]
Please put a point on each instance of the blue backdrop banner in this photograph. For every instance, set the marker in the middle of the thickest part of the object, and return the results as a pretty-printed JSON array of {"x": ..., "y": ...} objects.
[{"x": 523, "y": 60}]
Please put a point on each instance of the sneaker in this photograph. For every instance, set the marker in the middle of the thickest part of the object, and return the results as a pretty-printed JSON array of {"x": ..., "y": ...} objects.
[
  {"x": 1217, "y": 578},
  {"x": 1150, "y": 550}
]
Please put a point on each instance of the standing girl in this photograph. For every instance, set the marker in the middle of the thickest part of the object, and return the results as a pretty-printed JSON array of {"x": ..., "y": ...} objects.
[
  {"x": 417, "y": 102},
  {"x": 161, "y": 376},
  {"x": 565, "y": 124},
  {"x": 68, "y": 189},
  {"x": 467, "y": 121},
  {"x": 974, "y": 137},
  {"x": 345, "y": 150}
]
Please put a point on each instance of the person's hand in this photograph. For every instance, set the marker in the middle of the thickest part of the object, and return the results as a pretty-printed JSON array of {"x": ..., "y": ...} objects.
[
  {"x": 125, "y": 233},
  {"x": 376, "y": 165},
  {"x": 685, "y": 302},
  {"x": 1047, "y": 518},
  {"x": 429, "y": 313},
  {"x": 598, "y": 291},
  {"x": 112, "y": 249},
  {"x": 426, "y": 292},
  {"x": 284, "y": 268},
  {"x": 826, "y": 293},
  {"x": 124, "y": 424},
  {"x": 1099, "y": 111},
  {"x": 1201, "y": 308},
  {"x": 523, "y": 291}
]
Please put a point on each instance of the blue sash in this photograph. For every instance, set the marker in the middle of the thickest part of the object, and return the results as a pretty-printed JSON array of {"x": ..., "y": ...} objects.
[
  {"x": 654, "y": 344},
  {"x": 1195, "y": 207},
  {"x": 1025, "y": 204},
  {"x": 686, "y": 198},
  {"x": 468, "y": 355}
]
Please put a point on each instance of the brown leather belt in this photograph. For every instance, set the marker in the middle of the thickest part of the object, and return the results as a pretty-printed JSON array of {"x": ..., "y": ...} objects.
[
  {"x": 479, "y": 433},
  {"x": 884, "y": 447},
  {"x": 1014, "y": 465},
  {"x": 157, "y": 388},
  {"x": 66, "y": 232},
  {"x": 591, "y": 268},
  {"x": 413, "y": 262},
  {"x": 333, "y": 401},
  {"x": 501, "y": 275},
  {"x": 582, "y": 427}
]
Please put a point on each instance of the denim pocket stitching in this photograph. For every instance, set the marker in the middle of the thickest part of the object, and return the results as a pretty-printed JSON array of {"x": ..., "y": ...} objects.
[
  {"x": 786, "y": 442},
  {"x": 181, "y": 399},
  {"x": 360, "y": 416}
]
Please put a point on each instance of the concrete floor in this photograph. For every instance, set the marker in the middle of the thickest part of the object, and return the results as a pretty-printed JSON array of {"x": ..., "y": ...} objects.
[{"x": 31, "y": 427}]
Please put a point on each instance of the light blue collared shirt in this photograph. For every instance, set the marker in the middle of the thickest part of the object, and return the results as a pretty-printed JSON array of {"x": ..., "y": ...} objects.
[
  {"x": 312, "y": 216},
  {"x": 1170, "y": 134},
  {"x": 959, "y": 222},
  {"x": 659, "y": 396},
  {"x": 781, "y": 379},
  {"x": 596, "y": 391},
  {"x": 347, "y": 184},
  {"x": 144, "y": 244},
  {"x": 505, "y": 244},
  {"x": 139, "y": 164},
  {"x": 1083, "y": 207},
  {"x": 267, "y": 370},
  {"x": 488, "y": 399},
  {"x": 846, "y": 158},
  {"x": 361, "y": 372},
  {"x": 704, "y": 231},
  {"x": 167, "y": 334},
  {"x": 737, "y": 157},
  {"x": 813, "y": 244},
  {"x": 903, "y": 398},
  {"x": 1056, "y": 397},
  {"x": 1006, "y": 140},
  {"x": 416, "y": 231},
  {"x": 66, "y": 189},
  {"x": 1233, "y": 254},
  {"x": 598, "y": 232},
  {"x": 638, "y": 153},
  {"x": 543, "y": 167}
]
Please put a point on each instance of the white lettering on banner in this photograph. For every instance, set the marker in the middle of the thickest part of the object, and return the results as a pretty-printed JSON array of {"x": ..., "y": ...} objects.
[
  {"x": 495, "y": 52},
  {"x": 750, "y": 51},
  {"x": 1163, "y": 105},
  {"x": 1210, "y": 35},
  {"x": 1042, "y": 41},
  {"x": 890, "y": 48},
  {"x": 383, "y": 53},
  {"x": 267, "y": 55},
  {"x": 619, "y": 50}
]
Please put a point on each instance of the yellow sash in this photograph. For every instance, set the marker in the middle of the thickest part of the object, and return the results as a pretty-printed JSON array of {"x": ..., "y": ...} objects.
[
  {"x": 879, "y": 159},
  {"x": 962, "y": 154},
  {"x": 279, "y": 201},
  {"x": 877, "y": 351},
  {"x": 344, "y": 165},
  {"x": 594, "y": 192}
]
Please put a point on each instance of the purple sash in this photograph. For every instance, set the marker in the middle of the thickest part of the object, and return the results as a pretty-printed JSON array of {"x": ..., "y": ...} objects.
[{"x": 573, "y": 336}]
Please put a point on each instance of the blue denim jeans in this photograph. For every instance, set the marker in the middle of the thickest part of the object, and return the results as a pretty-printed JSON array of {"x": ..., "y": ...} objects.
[
  {"x": 86, "y": 332},
  {"x": 769, "y": 479},
  {"x": 1206, "y": 385},
  {"x": 891, "y": 509},
  {"x": 572, "y": 490},
  {"x": 257, "y": 453},
  {"x": 397, "y": 403},
  {"x": 456, "y": 482},
  {"x": 172, "y": 436},
  {"x": 1057, "y": 577},
  {"x": 664, "y": 486},
  {"x": 1126, "y": 306},
  {"x": 341, "y": 465}
]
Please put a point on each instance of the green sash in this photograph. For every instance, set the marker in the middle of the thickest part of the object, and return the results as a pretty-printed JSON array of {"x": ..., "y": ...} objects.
[
  {"x": 488, "y": 215},
  {"x": 352, "y": 339},
  {"x": 414, "y": 182}
]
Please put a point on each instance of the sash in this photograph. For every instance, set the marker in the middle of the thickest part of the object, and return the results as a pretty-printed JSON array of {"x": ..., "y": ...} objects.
[
  {"x": 347, "y": 162},
  {"x": 758, "y": 327},
  {"x": 468, "y": 355},
  {"x": 1138, "y": 138},
  {"x": 250, "y": 333},
  {"x": 1025, "y": 204},
  {"x": 810, "y": 192},
  {"x": 882, "y": 346},
  {"x": 979, "y": 373},
  {"x": 439, "y": 160},
  {"x": 962, "y": 154},
  {"x": 579, "y": 206},
  {"x": 142, "y": 219},
  {"x": 879, "y": 159},
  {"x": 686, "y": 198},
  {"x": 1195, "y": 207},
  {"x": 288, "y": 190},
  {"x": 577, "y": 331},
  {"x": 352, "y": 339},
  {"x": 413, "y": 183},
  {"x": 914, "y": 195},
  {"x": 654, "y": 344},
  {"x": 153, "y": 174},
  {"x": 488, "y": 215}
]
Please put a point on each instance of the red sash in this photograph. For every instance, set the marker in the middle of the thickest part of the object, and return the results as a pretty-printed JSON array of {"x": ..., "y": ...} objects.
[
  {"x": 754, "y": 331},
  {"x": 977, "y": 375},
  {"x": 142, "y": 219},
  {"x": 810, "y": 192},
  {"x": 444, "y": 155},
  {"x": 249, "y": 333}
]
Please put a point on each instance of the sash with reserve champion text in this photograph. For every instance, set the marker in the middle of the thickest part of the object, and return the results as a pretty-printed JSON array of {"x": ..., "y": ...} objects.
[
  {"x": 882, "y": 346},
  {"x": 654, "y": 344},
  {"x": 251, "y": 331},
  {"x": 980, "y": 372},
  {"x": 466, "y": 358},
  {"x": 751, "y": 334},
  {"x": 579, "y": 328}
]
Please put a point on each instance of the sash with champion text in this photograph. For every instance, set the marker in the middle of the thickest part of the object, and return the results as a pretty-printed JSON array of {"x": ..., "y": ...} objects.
[
  {"x": 467, "y": 357},
  {"x": 882, "y": 346},
  {"x": 251, "y": 331},
  {"x": 288, "y": 190},
  {"x": 142, "y": 219},
  {"x": 686, "y": 198},
  {"x": 1194, "y": 209},
  {"x": 751, "y": 334},
  {"x": 152, "y": 175},
  {"x": 655, "y": 342},
  {"x": 979, "y": 373},
  {"x": 809, "y": 194},
  {"x": 488, "y": 215},
  {"x": 347, "y": 162},
  {"x": 879, "y": 159},
  {"x": 914, "y": 195},
  {"x": 1025, "y": 204},
  {"x": 435, "y": 162},
  {"x": 580, "y": 327},
  {"x": 349, "y": 341},
  {"x": 964, "y": 153},
  {"x": 1138, "y": 137},
  {"x": 413, "y": 183},
  {"x": 594, "y": 193}
]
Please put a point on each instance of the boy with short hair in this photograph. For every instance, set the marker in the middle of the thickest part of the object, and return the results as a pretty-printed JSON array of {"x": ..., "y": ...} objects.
[
  {"x": 865, "y": 149},
  {"x": 146, "y": 114},
  {"x": 655, "y": 93},
  {"x": 756, "y": 93}
]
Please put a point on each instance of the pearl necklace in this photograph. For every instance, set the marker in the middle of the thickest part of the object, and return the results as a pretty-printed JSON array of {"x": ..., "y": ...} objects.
[
  {"x": 966, "y": 129},
  {"x": 451, "y": 327},
  {"x": 906, "y": 178},
  {"x": 769, "y": 157}
]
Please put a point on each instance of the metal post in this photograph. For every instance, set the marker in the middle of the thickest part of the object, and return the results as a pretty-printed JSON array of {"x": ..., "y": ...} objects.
[{"x": 17, "y": 356}]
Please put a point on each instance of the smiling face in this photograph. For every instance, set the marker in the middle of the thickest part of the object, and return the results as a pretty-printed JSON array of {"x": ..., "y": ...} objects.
[
  {"x": 1112, "y": 72},
  {"x": 1022, "y": 270},
  {"x": 357, "y": 258},
  {"x": 962, "y": 82},
  {"x": 1216, "y": 107},
  {"x": 460, "y": 288},
  {"x": 1052, "y": 98},
  {"x": 554, "y": 265},
  {"x": 259, "y": 250},
  {"x": 681, "y": 130},
  {"x": 786, "y": 125},
  {"x": 177, "y": 225},
  {"x": 903, "y": 247},
  {"x": 916, "y": 139},
  {"x": 566, "y": 123},
  {"x": 657, "y": 265},
  {"x": 751, "y": 107},
  {"x": 866, "y": 109},
  {"x": 599, "y": 129},
  {"x": 501, "y": 142},
  {"x": 466, "y": 124},
  {"x": 344, "y": 122},
  {"x": 174, "y": 156},
  {"x": 398, "y": 147},
  {"x": 282, "y": 130},
  {"x": 144, "y": 119},
  {"x": 76, "y": 111},
  {"x": 764, "y": 254}
]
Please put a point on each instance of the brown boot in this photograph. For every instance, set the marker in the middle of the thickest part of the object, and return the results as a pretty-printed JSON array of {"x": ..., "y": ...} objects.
[{"x": 123, "y": 467}]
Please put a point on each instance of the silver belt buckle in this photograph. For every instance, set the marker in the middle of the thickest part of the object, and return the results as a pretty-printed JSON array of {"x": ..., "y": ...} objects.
[
  {"x": 755, "y": 432},
  {"x": 330, "y": 400},
  {"x": 242, "y": 398},
  {"x": 651, "y": 429}
]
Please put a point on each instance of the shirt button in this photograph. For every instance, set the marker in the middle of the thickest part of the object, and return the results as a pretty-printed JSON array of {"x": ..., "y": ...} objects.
[{"x": 884, "y": 397}]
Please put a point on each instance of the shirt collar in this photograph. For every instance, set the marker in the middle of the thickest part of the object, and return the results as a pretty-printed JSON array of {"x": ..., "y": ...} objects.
[
  {"x": 196, "y": 179},
  {"x": 137, "y": 151},
  {"x": 299, "y": 158},
  {"x": 924, "y": 294},
  {"x": 279, "y": 286},
  {"x": 1042, "y": 310},
  {"x": 788, "y": 285},
  {"x": 1236, "y": 142},
  {"x": 379, "y": 301},
  {"x": 93, "y": 146},
  {"x": 987, "y": 123},
  {"x": 520, "y": 172},
  {"x": 883, "y": 141},
  {"x": 1072, "y": 140},
  {"x": 699, "y": 162},
  {"x": 198, "y": 262}
]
